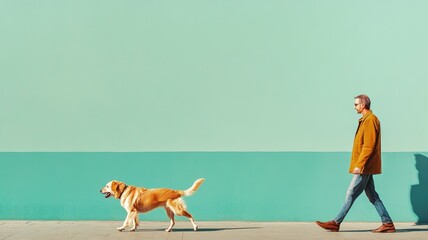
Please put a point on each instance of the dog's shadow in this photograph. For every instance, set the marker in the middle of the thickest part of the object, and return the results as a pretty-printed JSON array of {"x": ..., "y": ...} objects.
[{"x": 199, "y": 230}]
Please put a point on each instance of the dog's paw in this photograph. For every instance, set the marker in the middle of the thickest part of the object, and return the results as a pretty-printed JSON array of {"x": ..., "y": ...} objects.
[
  {"x": 195, "y": 228},
  {"x": 132, "y": 229},
  {"x": 120, "y": 229},
  {"x": 168, "y": 230}
]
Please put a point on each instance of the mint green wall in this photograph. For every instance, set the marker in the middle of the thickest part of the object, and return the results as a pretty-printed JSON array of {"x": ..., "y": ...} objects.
[
  {"x": 197, "y": 75},
  {"x": 259, "y": 186}
]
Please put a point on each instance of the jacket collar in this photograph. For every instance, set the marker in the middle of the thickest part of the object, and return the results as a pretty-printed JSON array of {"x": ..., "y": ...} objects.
[{"x": 370, "y": 112}]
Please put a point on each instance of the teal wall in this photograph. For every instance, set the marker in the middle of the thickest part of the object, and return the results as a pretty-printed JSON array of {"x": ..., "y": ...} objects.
[
  {"x": 253, "y": 95},
  {"x": 259, "y": 186}
]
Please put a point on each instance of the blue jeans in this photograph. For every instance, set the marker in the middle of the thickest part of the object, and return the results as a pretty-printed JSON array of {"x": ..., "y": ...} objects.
[{"x": 359, "y": 183}]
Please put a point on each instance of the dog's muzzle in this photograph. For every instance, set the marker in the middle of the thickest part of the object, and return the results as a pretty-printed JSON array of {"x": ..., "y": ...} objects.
[{"x": 106, "y": 194}]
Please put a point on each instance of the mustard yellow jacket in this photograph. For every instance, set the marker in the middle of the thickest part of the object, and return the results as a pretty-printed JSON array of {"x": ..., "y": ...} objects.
[{"x": 366, "y": 152}]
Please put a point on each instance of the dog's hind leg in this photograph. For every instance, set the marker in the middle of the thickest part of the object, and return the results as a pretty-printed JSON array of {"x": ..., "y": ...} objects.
[
  {"x": 189, "y": 216},
  {"x": 170, "y": 214},
  {"x": 179, "y": 208}
]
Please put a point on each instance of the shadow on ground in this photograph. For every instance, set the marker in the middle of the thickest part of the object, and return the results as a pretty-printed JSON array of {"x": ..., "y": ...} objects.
[{"x": 199, "y": 230}]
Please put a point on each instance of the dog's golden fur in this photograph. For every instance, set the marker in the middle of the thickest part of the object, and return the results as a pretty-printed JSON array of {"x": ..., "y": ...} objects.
[{"x": 139, "y": 200}]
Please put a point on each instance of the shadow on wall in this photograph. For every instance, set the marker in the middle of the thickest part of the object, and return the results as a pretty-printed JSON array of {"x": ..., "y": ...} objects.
[{"x": 419, "y": 192}]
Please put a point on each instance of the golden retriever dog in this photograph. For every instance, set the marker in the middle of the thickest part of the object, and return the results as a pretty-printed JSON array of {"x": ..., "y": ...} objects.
[{"x": 140, "y": 200}]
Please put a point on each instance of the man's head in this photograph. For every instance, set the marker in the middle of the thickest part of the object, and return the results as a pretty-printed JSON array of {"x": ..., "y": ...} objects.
[{"x": 362, "y": 103}]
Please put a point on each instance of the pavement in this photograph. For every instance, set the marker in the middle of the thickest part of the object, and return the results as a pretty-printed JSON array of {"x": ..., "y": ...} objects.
[{"x": 224, "y": 230}]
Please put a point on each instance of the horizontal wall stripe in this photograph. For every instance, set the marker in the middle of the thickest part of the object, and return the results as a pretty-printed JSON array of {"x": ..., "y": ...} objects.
[{"x": 259, "y": 186}]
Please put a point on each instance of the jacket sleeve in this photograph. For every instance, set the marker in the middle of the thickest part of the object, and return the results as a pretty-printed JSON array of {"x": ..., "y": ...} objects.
[{"x": 369, "y": 142}]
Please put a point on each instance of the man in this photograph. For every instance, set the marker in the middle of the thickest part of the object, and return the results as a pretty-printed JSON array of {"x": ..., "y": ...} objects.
[{"x": 365, "y": 162}]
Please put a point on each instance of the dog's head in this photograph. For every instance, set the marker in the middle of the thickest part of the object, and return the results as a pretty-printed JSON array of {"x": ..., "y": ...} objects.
[{"x": 114, "y": 187}]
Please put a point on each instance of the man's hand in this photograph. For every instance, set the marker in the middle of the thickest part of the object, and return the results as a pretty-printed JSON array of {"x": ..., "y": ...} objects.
[{"x": 356, "y": 171}]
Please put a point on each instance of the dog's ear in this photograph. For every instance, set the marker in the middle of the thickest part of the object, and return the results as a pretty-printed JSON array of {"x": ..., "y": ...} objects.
[{"x": 118, "y": 188}]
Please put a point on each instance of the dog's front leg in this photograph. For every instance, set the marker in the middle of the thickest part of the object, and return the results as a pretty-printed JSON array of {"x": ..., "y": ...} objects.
[
  {"x": 125, "y": 223},
  {"x": 121, "y": 228},
  {"x": 134, "y": 219}
]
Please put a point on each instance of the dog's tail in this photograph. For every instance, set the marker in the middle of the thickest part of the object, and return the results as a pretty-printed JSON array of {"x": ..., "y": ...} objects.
[{"x": 194, "y": 187}]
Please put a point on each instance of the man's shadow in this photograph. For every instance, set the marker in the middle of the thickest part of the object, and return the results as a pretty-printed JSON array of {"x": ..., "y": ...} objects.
[{"x": 419, "y": 192}]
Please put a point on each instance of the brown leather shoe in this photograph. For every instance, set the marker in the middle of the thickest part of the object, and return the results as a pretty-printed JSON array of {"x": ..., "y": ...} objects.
[
  {"x": 385, "y": 228},
  {"x": 331, "y": 225}
]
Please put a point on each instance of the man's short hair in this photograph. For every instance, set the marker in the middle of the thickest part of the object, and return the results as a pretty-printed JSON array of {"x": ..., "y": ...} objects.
[{"x": 364, "y": 100}]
